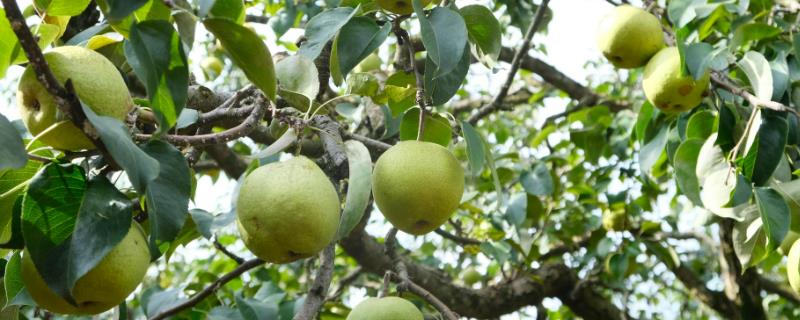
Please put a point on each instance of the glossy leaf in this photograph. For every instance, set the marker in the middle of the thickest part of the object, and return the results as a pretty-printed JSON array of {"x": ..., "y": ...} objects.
[
  {"x": 155, "y": 53},
  {"x": 140, "y": 167},
  {"x": 764, "y": 148},
  {"x": 484, "y": 31},
  {"x": 12, "y": 151},
  {"x": 356, "y": 40},
  {"x": 167, "y": 196},
  {"x": 774, "y": 214},
  {"x": 64, "y": 7},
  {"x": 475, "y": 148},
  {"x": 298, "y": 74},
  {"x": 756, "y": 67},
  {"x": 440, "y": 89},
  {"x": 538, "y": 180},
  {"x": 321, "y": 29},
  {"x": 119, "y": 9},
  {"x": 247, "y": 51},
  {"x": 359, "y": 186},
  {"x": 685, "y": 163},
  {"x": 444, "y": 34}
]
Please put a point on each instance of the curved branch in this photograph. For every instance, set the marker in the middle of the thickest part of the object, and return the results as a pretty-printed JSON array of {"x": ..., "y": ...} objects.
[
  {"x": 242, "y": 268},
  {"x": 425, "y": 294},
  {"x": 241, "y": 130},
  {"x": 720, "y": 81},
  {"x": 456, "y": 238}
]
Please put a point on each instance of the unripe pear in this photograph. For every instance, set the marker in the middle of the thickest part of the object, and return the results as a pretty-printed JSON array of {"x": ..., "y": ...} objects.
[
  {"x": 666, "y": 88},
  {"x": 788, "y": 241},
  {"x": 97, "y": 83},
  {"x": 387, "y": 308},
  {"x": 629, "y": 36},
  {"x": 403, "y": 7},
  {"x": 615, "y": 220},
  {"x": 102, "y": 288},
  {"x": 793, "y": 267},
  {"x": 212, "y": 67},
  {"x": 287, "y": 210},
  {"x": 417, "y": 185},
  {"x": 471, "y": 276}
]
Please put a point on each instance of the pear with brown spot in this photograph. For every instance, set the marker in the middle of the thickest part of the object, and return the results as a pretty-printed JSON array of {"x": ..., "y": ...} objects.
[{"x": 666, "y": 88}]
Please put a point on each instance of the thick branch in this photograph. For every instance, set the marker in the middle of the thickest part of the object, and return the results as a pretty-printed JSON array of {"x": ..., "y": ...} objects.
[
  {"x": 550, "y": 280},
  {"x": 515, "y": 64},
  {"x": 319, "y": 290},
  {"x": 197, "y": 298}
]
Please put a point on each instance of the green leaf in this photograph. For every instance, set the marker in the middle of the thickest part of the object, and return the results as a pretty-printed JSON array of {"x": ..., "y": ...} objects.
[
  {"x": 681, "y": 12},
  {"x": 12, "y": 151},
  {"x": 698, "y": 58},
  {"x": 155, "y": 53},
  {"x": 756, "y": 67},
  {"x": 252, "y": 309},
  {"x": 440, "y": 89},
  {"x": 484, "y": 31},
  {"x": 49, "y": 211},
  {"x": 168, "y": 195},
  {"x": 103, "y": 220},
  {"x": 444, "y": 34},
  {"x": 701, "y": 125},
  {"x": 298, "y": 74},
  {"x": 9, "y": 44},
  {"x": 517, "y": 209},
  {"x": 356, "y": 40},
  {"x": 650, "y": 152},
  {"x": 774, "y": 214},
  {"x": 140, "y": 167},
  {"x": 119, "y": 9},
  {"x": 321, "y": 29},
  {"x": 228, "y": 9},
  {"x": 753, "y": 32},
  {"x": 538, "y": 181},
  {"x": 780, "y": 76},
  {"x": 764, "y": 150},
  {"x": 204, "y": 222},
  {"x": 437, "y": 127},
  {"x": 475, "y": 149},
  {"x": 359, "y": 186},
  {"x": 685, "y": 164},
  {"x": 12, "y": 283},
  {"x": 65, "y": 7},
  {"x": 247, "y": 51},
  {"x": 363, "y": 84},
  {"x": 401, "y": 89}
]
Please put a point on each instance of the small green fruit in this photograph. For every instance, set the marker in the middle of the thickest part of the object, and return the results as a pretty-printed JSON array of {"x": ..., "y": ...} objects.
[
  {"x": 403, "y": 7},
  {"x": 102, "y": 288},
  {"x": 388, "y": 308},
  {"x": 212, "y": 67},
  {"x": 629, "y": 36},
  {"x": 666, "y": 88},
  {"x": 471, "y": 276},
  {"x": 793, "y": 267},
  {"x": 287, "y": 210},
  {"x": 615, "y": 220},
  {"x": 97, "y": 82},
  {"x": 417, "y": 185}
]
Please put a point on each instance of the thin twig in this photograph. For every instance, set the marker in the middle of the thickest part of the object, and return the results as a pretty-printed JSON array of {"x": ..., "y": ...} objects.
[
  {"x": 404, "y": 40},
  {"x": 754, "y": 101},
  {"x": 370, "y": 143},
  {"x": 425, "y": 294},
  {"x": 319, "y": 289},
  {"x": 197, "y": 298},
  {"x": 226, "y": 252},
  {"x": 34, "y": 157},
  {"x": 515, "y": 64},
  {"x": 344, "y": 282},
  {"x": 456, "y": 238}
]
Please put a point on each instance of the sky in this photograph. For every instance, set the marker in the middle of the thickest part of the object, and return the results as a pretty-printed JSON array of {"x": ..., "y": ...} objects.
[{"x": 570, "y": 43}]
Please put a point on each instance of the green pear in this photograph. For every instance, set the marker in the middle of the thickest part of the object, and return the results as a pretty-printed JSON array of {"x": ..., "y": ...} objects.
[
  {"x": 417, "y": 185},
  {"x": 212, "y": 67},
  {"x": 402, "y": 7},
  {"x": 102, "y": 288},
  {"x": 666, "y": 88},
  {"x": 629, "y": 36},
  {"x": 615, "y": 220},
  {"x": 387, "y": 308},
  {"x": 97, "y": 82},
  {"x": 793, "y": 267},
  {"x": 287, "y": 210},
  {"x": 471, "y": 276},
  {"x": 371, "y": 63}
]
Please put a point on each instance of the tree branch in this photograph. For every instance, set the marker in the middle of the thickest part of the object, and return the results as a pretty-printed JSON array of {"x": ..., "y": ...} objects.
[
  {"x": 515, "y": 64},
  {"x": 319, "y": 289},
  {"x": 425, "y": 294},
  {"x": 779, "y": 289},
  {"x": 718, "y": 79},
  {"x": 456, "y": 238},
  {"x": 197, "y": 298},
  {"x": 226, "y": 252}
]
